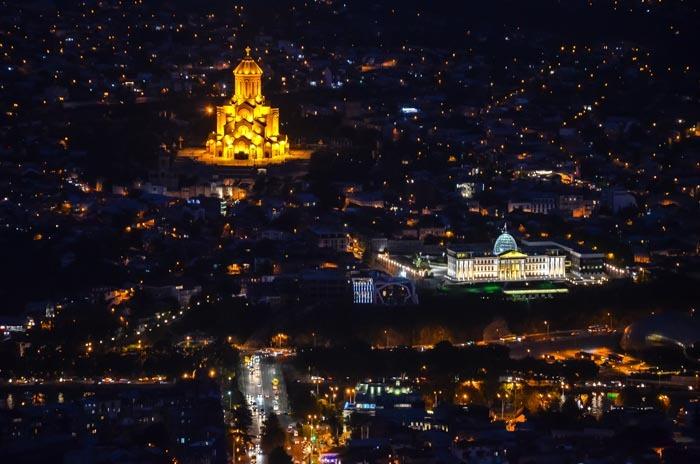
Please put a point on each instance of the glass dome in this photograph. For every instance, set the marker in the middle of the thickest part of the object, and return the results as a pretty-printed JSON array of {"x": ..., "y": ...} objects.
[{"x": 504, "y": 242}]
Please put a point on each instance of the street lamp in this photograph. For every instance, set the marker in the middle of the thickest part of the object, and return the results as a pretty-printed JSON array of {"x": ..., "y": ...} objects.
[
  {"x": 502, "y": 404},
  {"x": 350, "y": 392},
  {"x": 546, "y": 324},
  {"x": 435, "y": 395}
]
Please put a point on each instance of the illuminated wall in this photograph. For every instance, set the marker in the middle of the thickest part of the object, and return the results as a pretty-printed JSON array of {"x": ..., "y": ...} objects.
[
  {"x": 363, "y": 290},
  {"x": 510, "y": 266}
]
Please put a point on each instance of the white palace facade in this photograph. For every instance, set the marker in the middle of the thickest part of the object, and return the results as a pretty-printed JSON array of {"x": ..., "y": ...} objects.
[{"x": 505, "y": 263}]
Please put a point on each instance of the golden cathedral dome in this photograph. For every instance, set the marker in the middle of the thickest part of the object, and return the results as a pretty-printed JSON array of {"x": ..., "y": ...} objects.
[{"x": 248, "y": 66}]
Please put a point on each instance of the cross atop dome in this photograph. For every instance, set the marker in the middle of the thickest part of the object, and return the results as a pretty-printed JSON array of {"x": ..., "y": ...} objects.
[{"x": 247, "y": 66}]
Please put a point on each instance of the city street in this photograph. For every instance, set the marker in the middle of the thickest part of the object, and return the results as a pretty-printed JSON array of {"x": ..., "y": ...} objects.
[
  {"x": 262, "y": 384},
  {"x": 578, "y": 340}
]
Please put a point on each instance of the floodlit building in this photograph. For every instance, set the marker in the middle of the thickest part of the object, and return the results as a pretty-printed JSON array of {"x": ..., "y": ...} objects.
[
  {"x": 506, "y": 262},
  {"x": 538, "y": 205},
  {"x": 581, "y": 264},
  {"x": 247, "y": 130}
]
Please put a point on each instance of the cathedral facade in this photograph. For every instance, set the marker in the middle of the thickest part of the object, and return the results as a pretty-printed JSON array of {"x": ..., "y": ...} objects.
[{"x": 247, "y": 130}]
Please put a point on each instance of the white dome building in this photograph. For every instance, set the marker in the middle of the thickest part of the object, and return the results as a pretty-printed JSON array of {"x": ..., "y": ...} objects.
[
  {"x": 507, "y": 263},
  {"x": 504, "y": 242}
]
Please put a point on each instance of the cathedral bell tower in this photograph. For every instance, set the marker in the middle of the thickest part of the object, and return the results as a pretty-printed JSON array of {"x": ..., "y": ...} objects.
[{"x": 247, "y": 80}]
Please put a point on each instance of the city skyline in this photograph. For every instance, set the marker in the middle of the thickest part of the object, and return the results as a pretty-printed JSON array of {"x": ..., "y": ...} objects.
[{"x": 327, "y": 232}]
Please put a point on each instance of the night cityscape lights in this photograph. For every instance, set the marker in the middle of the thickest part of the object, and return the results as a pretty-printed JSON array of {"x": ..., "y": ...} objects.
[{"x": 349, "y": 232}]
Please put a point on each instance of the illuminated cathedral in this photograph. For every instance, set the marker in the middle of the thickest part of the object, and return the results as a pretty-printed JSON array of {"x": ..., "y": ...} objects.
[{"x": 247, "y": 130}]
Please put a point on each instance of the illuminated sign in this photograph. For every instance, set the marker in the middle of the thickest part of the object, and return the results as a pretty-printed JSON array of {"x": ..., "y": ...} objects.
[
  {"x": 329, "y": 458},
  {"x": 367, "y": 406}
]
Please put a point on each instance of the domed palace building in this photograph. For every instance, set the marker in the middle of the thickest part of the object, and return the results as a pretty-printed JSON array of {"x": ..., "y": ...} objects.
[{"x": 505, "y": 262}]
